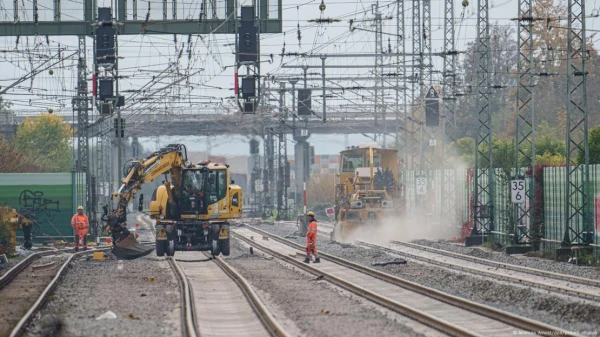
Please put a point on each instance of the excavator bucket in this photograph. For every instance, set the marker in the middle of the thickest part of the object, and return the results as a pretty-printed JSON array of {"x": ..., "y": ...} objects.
[{"x": 127, "y": 248}]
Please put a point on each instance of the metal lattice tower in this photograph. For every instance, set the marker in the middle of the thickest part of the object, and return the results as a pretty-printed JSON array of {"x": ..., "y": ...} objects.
[
  {"x": 282, "y": 198},
  {"x": 484, "y": 173},
  {"x": 578, "y": 228},
  {"x": 270, "y": 184},
  {"x": 378, "y": 70},
  {"x": 525, "y": 109},
  {"x": 81, "y": 105},
  {"x": 426, "y": 80},
  {"x": 448, "y": 184},
  {"x": 401, "y": 135},
  {"x": 415, "y": 126},
  {"x": 426, "y": 32},
  {"x": 281, "y": 160},
  {"x": 106, "y": 146}
]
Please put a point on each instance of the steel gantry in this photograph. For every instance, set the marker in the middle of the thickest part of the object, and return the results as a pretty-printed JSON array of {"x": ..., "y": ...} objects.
[
  {"x": 578, "y": 228},
  {"x": 524, "y": 141},
  {"x": 483, "y": 212},
  {"x": 145, "y": 24},
  {"x": 448, "y": 211}
]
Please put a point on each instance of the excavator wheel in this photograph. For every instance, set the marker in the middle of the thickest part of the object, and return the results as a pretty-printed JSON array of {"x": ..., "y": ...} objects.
[
  {"x": 224, "y": 247},
  {"x": 170, "y": 247},
  {"x": 161, "y": 246},
  {"x": 216, "y": 249}
]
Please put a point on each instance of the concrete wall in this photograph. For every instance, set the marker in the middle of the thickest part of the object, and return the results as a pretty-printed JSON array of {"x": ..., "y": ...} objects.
[{"x": 49, "y": 196}]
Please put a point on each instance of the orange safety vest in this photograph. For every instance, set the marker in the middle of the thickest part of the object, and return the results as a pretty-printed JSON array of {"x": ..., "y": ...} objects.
[
  {"x": 79, "y": 222},
  {"x": 312, "y": 230}
]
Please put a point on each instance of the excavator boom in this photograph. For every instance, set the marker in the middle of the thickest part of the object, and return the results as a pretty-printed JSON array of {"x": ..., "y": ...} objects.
[{"x": 169, "y": 158}]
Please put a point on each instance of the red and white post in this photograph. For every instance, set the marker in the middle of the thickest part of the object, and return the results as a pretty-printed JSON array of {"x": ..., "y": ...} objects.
[{"x": 304, "y": 197}]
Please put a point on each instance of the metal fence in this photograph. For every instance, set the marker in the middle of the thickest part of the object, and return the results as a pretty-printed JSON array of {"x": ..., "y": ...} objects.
[{"x": 432, "y": 202}]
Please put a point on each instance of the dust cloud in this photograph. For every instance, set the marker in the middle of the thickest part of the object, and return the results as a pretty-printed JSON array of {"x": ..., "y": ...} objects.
[
  {"x": 425, "y": 222},
  {"x": 402, "y": 228}
]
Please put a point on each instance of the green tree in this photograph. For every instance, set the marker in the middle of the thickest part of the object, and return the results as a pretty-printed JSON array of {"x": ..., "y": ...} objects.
[
  {"x": 13, "y": 161},
  {"x": 594, "y": 147},
  {"x": 550, "y": 159},
  {"x": 45, "y": 139},
  {"x": 465, "y": 149}
]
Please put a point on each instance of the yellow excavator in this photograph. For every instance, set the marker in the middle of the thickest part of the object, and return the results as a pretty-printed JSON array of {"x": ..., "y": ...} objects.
[
  {"x": 191, "y": 209},
  {"x": 11, "y": 220}
]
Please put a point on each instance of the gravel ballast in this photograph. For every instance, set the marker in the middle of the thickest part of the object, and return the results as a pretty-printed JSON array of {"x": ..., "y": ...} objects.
[
  {"x": 142, "y": 293},
  {"x": 308, "y": 307},
  {"x": 569, "y": 314},
  {"x": 531, "y": 262}
]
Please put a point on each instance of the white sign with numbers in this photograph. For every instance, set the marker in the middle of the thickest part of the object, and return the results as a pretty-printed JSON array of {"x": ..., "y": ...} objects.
[
  {"x": 258, "y": 185},
  {"x": 421, "y": 185},
  {"x": 517, "y": 191}
]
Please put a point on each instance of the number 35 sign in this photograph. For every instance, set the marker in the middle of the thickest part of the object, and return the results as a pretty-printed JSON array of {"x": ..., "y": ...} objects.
[{"x": 517, "y": 191}]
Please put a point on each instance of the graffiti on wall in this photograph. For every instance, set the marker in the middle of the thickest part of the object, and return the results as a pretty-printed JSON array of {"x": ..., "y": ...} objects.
[{"x": 33, "y": 205}]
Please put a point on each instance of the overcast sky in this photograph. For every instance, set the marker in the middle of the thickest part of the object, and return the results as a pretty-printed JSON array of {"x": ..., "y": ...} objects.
[{"x": 146, "y": 58}]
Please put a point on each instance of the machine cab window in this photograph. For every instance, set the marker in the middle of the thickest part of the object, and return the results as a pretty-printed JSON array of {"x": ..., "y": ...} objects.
[
  {"x": 351, "y": 161},
  {"x": 192, "y": 192},
  {"x": 216, "y": 185}
]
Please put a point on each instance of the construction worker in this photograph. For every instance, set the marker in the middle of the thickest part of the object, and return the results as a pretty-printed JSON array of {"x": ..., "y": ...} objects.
[
  {"x": 311, "y": 238},
  {"x": 80, "y": 224}
]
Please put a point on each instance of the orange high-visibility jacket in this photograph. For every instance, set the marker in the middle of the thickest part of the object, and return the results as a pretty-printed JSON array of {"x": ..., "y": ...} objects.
[
  {"x": 80, "y": 222},
  {"x": 311, "y": 233}
]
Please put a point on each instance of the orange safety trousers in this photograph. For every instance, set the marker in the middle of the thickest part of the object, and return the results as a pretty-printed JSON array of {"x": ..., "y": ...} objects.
[{"x": 311, "y": 238}]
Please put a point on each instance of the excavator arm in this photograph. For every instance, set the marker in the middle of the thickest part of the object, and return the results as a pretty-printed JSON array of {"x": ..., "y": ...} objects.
[{"x": 171, "y": 157}]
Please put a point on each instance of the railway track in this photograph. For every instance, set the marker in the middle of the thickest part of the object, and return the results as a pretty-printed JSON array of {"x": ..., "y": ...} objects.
[
  {"x": 557, "y": 283},
  {"x": 554, "y": 282},
  {"x": 449, "y": 314},
  {"x": 213, "y": 293},
  {"x": 21, "y": 285},
  {"x": 38, "y": 293}
]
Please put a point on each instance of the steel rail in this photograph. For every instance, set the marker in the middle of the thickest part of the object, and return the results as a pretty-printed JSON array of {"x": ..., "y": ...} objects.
[
  {"x": 487, "y": 273},
  {"x": 268, "y": 320},
  {"x": 19, "y": 329},
  {"x": 410, "y": 312},
  {"x": 21, "y": 266},
  {"x": 528, "y": 270},
  {"x": 259, "y": 307},
  {"x": 188, "y": 325},
  {"x": 477, "y": 308}
]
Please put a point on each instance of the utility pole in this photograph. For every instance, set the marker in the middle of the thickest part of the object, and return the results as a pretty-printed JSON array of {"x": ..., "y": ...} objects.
[
  {"x": 281, "y": 161},
  {"x": 448, "y": 212},
  {"x": 119, "y": 120},
  {"x": 578, "y": 227},
  {"x": 483, "y": 212},
  {"x": 525, "y": 136},
  {"x": 80, "y": 102},
  {"x": 416, "y": 154},
  {"x": 378, "y": 62},
  {"x": 324, "y": 95},
  {"x": 428, "y": 152}
]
